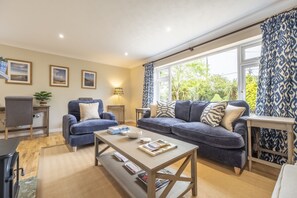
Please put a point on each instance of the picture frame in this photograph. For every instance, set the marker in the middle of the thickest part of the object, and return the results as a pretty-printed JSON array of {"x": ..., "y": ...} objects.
[
  {"x": 59, "y": 76},
  {"x": 19, "y": 72},
  {"x": 88, "y": 79}
]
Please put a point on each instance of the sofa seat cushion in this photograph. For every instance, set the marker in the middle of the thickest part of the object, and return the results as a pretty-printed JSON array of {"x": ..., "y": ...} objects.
[
  {"x": 89, "y": 126},
  {"x": 161, "y": 125},
  {"x": 214, "y": 136}
]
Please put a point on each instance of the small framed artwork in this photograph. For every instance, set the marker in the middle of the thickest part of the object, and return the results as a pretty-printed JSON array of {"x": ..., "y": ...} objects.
[
  {"x": 88, "y": 79},
  {"x": 59, "y": 76},
  {"x": 19, "y": 72}
]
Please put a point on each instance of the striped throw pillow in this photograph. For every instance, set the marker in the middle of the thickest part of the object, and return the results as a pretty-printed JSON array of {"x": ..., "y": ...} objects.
[
  {"x": 165, "y": 109},
  {"x": 213, "y": 113}
]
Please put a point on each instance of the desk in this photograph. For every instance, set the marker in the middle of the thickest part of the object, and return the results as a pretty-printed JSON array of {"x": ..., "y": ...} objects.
[
  {"x": 140, "y": 112},
  {"x": 279, "y": 123},
  {"x": 36, "y": 110},
  {"x": 118, "y": 111}
]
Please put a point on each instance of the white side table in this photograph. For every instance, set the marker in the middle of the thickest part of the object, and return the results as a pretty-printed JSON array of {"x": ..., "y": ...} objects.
[{"x": 279, "y": 123}]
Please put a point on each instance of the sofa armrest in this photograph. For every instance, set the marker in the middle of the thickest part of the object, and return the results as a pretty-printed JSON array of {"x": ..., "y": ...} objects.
[
  {"x": 107, "y": 115},
  {"x": 68, "y": 121},
  {"x": 147, "y": 114},
  {"x": 240, "y": 127}
]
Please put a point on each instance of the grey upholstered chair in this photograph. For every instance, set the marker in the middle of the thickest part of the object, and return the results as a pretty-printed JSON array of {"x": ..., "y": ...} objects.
[{"x": 18, "y": 112}]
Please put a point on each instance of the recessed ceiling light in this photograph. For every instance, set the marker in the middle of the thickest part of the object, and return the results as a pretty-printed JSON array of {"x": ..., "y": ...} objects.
[
  {"x": 168, "y": 29},
  {"x": 126, "y": 53},
  {"x": 61, "y": 36}
]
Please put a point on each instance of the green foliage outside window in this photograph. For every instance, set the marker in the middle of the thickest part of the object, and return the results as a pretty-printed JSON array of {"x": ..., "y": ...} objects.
[
  {"x": 193, "y": 81},
  {"x": 251, "y": 91}
]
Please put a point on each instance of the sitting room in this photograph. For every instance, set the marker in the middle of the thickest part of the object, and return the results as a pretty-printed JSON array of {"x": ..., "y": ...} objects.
[{"x": 148, "y": 99}]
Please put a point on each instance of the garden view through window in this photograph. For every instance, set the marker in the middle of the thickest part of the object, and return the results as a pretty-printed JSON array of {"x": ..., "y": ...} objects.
[{"x": 220, "y": 76}]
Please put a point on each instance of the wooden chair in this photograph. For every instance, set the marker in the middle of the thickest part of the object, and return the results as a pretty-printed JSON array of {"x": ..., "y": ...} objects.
[{"x": 18, "y": 112}]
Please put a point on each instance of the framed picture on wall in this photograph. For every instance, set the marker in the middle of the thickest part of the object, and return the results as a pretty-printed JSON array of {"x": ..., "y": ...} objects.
[
  {"x": 19, "y": 72},
  {"x": 59, "y": 76},
  {"x": 88, "y": 79}
]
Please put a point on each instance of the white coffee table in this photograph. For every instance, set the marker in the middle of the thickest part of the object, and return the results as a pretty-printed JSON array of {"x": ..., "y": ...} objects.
[{"x": 178, "y": 185}]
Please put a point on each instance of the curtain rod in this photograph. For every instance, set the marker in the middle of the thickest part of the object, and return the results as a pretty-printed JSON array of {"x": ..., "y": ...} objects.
[{"x": 217, "y": 38}]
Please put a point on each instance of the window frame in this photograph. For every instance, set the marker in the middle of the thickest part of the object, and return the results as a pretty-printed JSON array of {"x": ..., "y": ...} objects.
[{"x": 242, "y": 64}]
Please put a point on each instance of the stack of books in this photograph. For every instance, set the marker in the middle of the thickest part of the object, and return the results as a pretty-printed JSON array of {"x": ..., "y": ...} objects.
[
  {"x": 117, "y": 130},
  {"x": 156, "y": 147},
  {"x": 159, "y": 183},
  {"x": 133, "y": 168}
]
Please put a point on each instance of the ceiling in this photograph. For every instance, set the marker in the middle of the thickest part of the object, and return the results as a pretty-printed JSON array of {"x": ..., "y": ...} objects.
[{"x": 103, "y": 30}]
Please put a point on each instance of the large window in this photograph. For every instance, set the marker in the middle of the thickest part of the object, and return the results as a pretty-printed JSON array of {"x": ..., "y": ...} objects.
[{"x": 229, "y": 74}]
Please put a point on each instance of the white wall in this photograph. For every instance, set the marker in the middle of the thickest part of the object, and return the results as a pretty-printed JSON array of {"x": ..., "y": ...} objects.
[{"x": 108, "y": 77}]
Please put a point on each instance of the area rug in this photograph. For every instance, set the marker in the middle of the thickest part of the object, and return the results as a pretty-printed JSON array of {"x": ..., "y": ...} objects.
[
  {"x": 28, "y": 188},
  {"x": 73, "y": 174}
]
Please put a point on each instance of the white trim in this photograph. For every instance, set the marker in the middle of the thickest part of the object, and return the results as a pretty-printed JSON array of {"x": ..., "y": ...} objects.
[
  {"x": 241, "y": 65},
  {"x": 55, "y": 130}
]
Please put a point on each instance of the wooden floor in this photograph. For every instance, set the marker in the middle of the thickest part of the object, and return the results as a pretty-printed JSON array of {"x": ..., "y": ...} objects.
[{"x": 30, "y": 152}]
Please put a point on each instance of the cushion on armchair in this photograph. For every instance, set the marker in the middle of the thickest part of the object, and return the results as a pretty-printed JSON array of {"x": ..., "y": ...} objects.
[
  {"x": 73, "y": 106},
  {"x": 89, "y": 126},
  {"x": 89, "y": 111}
]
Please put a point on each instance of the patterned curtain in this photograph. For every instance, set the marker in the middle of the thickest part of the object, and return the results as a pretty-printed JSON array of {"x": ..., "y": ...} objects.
[
  {"x": 277, "y": 86},
  {"x": 148, "y": 85}
]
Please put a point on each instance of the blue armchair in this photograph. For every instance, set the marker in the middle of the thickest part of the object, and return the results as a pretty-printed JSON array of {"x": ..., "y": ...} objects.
[{"x": 78, "y": 133}]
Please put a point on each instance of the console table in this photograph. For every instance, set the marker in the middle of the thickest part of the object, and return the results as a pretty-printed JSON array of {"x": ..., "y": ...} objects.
[
  {"x": 279, "y": 123},
  {"x": 36, "y": 110},
  {"x": 118, "y": 111}
]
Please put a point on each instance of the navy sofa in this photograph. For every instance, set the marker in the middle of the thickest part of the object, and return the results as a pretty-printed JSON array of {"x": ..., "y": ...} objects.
[
  {"x": 215, "y": 143},
  {"x": 78, "y": 133}
]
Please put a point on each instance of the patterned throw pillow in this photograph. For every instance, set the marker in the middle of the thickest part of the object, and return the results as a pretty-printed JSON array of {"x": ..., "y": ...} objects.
[
  {"x": 165, "y": 109},
  {"x": 213, "y": 113}
]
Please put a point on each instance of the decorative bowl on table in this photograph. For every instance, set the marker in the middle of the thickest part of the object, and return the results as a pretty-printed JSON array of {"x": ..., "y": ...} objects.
[{"x": 133, "y": 134}]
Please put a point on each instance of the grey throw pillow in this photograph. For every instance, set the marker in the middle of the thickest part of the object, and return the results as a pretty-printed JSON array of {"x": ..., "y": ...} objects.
[
  {"x": 165, "y": 109},
  {"x": 213, "y": 113}
]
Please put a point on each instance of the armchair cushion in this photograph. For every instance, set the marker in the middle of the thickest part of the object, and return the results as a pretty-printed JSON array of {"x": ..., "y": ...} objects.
[
  {"x": 89, "y": 126},
  {"x": 73, "y": 107},
  {"x": 89, "y": 111},
  {"x": 107, "y": 115}
]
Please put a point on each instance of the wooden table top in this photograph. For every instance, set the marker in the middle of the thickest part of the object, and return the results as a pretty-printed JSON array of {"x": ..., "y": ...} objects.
[{"x": 129, "y": 148}]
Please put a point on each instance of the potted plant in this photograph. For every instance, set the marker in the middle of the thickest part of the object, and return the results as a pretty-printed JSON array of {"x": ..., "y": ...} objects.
[{"x": 43, "y": 97}]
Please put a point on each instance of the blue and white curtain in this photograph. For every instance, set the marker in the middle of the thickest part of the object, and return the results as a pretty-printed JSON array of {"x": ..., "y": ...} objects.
[
  {"x": 277, "y": 87},
  {"x": 148, "y": 85}
]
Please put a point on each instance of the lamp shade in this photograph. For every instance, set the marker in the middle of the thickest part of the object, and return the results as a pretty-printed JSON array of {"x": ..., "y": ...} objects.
[{"x": 118, "y": 91}]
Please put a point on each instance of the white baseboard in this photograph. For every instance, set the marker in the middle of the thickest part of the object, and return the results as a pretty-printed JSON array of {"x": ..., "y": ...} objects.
[{"x": 55, "y": 130}]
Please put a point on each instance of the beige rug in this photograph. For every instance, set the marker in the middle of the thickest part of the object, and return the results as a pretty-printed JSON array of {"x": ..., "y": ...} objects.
[
  {"x": 72, "y": 174},
  {"x": 67, "y": 174}
]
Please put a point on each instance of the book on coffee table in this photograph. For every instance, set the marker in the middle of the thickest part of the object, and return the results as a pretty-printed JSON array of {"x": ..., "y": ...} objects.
[
  {"x": 159, "y": 183},
  {"x": 157, "y": 147},
  {"x": 133, "y": 168}
]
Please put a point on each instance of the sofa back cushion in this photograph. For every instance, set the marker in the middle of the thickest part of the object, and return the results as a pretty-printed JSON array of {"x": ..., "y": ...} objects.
[
  {"x": 197, "y": 108},
  {"x": 73, "y": 107},
  {"x": 241, "y": 103},
  {"x": 182, "y": 109}
]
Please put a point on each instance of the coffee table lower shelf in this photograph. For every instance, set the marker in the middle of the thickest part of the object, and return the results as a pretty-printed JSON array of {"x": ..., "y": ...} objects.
[{"x": 129, "y": 182}]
